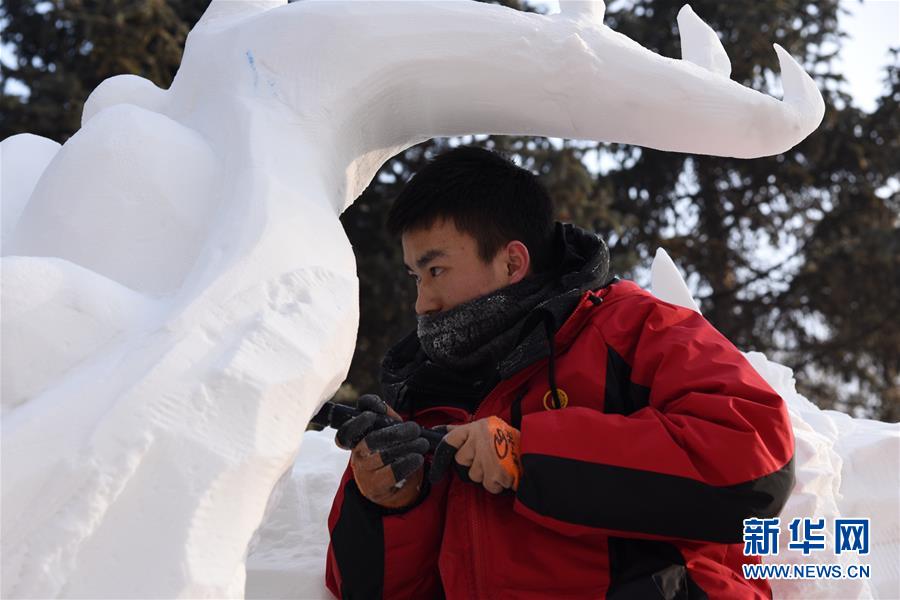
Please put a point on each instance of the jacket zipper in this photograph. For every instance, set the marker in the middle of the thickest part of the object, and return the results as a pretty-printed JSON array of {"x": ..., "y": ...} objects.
[
  {"x": 476, "y": 546},
  {"x": 477, "y": 504},
  {"x": 472, "y": 514}
]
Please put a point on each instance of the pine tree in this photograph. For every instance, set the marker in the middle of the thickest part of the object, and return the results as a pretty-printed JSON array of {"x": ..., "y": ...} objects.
[
  {"x": 793, "y": 255},
  {"x": 64, "y": 48}
]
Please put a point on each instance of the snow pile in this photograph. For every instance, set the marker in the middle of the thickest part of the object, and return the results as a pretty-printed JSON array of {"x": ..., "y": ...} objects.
[
  {"x": 178, "y": 293},
  {"x": 845, "y": 468},
  {"x": 286, "y": 558}
]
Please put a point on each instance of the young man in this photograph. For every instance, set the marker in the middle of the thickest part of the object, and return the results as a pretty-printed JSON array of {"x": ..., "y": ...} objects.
[{"x": 606, "y": 444}]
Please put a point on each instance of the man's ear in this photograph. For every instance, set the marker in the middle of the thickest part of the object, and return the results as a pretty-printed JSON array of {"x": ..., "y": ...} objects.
[{"x": 518, "y": 261}]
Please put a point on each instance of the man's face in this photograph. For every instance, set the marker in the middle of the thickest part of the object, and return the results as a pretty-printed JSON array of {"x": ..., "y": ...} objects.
[{"x": 448, "y": 270}]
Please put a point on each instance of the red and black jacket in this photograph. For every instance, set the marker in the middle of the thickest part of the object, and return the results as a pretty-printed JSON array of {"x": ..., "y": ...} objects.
[{"x": 646, "y": 439}]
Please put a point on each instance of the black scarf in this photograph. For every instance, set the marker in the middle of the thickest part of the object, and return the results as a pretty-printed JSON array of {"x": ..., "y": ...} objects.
[
  {"x": 485, "y": 330},
  {"x": 482, "y": 330}
]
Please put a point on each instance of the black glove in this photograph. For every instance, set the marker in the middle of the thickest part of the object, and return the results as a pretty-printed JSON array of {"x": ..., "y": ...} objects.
[
  {"x": 444, "y": 457},
  {"x": 350, "y": 433},
  {"x": 383, "y": 457}
]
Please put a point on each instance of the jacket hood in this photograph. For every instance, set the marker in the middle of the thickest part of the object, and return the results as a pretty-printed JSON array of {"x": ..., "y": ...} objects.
[{"x": 581, "y": 263}]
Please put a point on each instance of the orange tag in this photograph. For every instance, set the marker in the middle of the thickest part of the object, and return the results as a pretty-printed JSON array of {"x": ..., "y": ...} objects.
[{"x": 506, "y": 445}]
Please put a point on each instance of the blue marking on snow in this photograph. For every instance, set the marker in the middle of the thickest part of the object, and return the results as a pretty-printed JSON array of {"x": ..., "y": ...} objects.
[
  {"x": 252, "y": 62},
  {"x": 272, "y": 88}
]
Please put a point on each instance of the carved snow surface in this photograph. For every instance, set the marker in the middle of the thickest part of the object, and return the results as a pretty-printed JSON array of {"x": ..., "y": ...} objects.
[
  {"x": 845, "y": 468},
  {"x": 178, "y": 293}
]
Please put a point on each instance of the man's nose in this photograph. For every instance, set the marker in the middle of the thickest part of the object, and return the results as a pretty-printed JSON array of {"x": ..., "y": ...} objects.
[{"x": 426, "y": 302}]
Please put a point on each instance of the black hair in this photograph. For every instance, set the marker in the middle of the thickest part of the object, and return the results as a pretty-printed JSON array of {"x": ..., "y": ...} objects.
[{"x": 486, "y": 196}]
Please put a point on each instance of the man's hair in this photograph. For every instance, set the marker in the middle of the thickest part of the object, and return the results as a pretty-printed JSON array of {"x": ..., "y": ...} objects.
[{"x": 486, "y": 196}]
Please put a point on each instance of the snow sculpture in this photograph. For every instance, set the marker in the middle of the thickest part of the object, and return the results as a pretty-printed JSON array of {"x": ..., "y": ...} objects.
[{"x": 178, "y": 293}]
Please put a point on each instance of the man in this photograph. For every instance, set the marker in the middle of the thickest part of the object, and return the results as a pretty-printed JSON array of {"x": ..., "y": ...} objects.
[{"x": 606, "y": 443}]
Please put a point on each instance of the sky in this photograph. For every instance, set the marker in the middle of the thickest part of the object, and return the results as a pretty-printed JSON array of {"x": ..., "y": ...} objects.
[{"x": 872, "y": 27}]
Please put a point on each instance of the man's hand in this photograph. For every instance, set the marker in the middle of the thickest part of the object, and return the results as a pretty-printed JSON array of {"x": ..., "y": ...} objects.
[
  {"x": 488, "y": 447},
  {"x": 387, "y": 463}
]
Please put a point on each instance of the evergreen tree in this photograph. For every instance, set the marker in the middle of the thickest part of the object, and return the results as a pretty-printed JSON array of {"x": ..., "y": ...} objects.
[
  {"x": 64, "y": 48},
  {"x": 793, "y": 255}
]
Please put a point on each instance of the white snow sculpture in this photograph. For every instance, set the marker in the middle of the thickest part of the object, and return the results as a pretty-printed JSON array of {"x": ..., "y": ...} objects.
[
  {"x": 178, "y": 293},
  {"x": 845, "y": 468},
  {"x": 23, "y": 158}
]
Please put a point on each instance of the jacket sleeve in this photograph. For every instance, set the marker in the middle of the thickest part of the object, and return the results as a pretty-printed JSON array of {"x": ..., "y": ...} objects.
[
  {"x": 690, "y": 440},
  {"x": 381, "y": 553}
]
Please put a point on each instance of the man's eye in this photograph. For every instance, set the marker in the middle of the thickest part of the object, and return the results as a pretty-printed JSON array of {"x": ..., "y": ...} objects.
[
  {"x": 435, "y": 271},
  {"x": 414, "y": 276}
]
